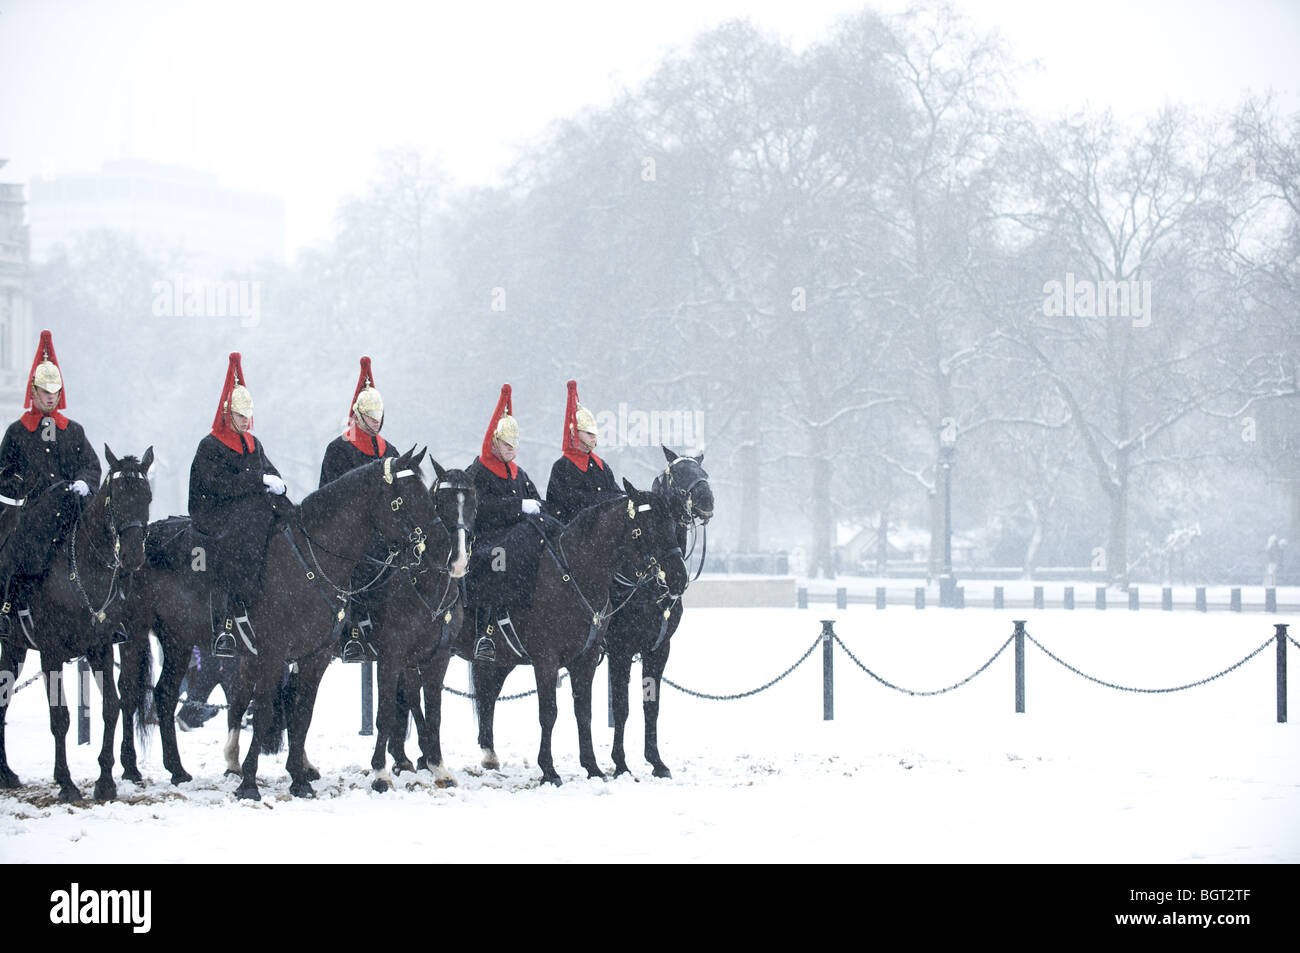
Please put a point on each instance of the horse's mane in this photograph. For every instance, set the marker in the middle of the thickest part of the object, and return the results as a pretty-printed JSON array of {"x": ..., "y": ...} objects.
[
  {"x": 340, "y": 491},
  {"x": 585, "y": 519}
]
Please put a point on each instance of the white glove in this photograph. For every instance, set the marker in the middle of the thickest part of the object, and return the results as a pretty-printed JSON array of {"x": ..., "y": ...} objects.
[
  {"x": 532, "y": 507},
  {"x": 79, "y": 487},
  {"x": 273, "y": 483}
]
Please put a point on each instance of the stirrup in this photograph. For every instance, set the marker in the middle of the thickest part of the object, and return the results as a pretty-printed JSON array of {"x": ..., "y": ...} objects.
[
  {"x": 223, "y": 645},
  {"x": 353, "y": 651},
  {"x": 485, "y": 650}
]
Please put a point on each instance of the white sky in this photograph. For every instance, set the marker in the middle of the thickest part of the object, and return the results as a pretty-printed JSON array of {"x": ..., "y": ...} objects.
[{"x": 297, "y": 99}]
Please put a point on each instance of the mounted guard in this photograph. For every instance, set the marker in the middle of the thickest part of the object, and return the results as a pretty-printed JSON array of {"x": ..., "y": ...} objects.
[
  {"x": 359, "y": 444},
  {"x": 41, "y": 449},
  {"x": 503, "y": 561},
  {"x": 233, "y": 492},
  {"x": 579, "y": 478}
]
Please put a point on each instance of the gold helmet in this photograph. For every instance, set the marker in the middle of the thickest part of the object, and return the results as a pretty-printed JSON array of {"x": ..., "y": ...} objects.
[
  {"x": 583, "y": 421},
  {"x": 47, "y": 377},
  {"x": 507, "y": 431},
  {"x": 370, "y": 403},
  {"x": 241, "y": 401}
]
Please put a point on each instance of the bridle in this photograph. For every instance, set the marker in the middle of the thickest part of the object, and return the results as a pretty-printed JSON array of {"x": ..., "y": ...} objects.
[
  {"x": 115, "y": 530},
  {"x": 682, "y": 508}
]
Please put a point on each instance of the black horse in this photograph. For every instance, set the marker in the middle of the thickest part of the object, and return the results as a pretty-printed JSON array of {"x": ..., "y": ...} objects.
[
  {"x": 562, "y": 628},
  {"x": 77, "y": 604},
  {"x": 646, "y": 624},
  {"x": 422, "y": 619},
  {"x": 296, "y": 618},
  {"x": 302, "y": 606}
]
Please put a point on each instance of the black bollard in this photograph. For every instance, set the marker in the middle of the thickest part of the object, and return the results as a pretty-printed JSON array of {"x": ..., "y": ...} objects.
[
  {"x": 802, "y": 596},
  {"x": 83, "y": 702},
  {"x": 1038, "y": 597},
  {"x": 367, "y": 698},
  {"x": 1167, "y": 599},
  {"x": 1270, "y": 599},
  {"x": 881, "y": 599},
  {"x": 1281, "y": 671},
  {"x": 1133, "y": 599},
  {"x": 841, "y": 598},
  {"x": 828, "y": 670},
  {"x": 1069, "y": 597},
  {"x": 1101, "y": 597},
  {"x": 1201, "y": 602},
  {"x": 999, "y": 597},
  {"x": 1020, "y": 665},
  {"x": 1235, "y": 603}
]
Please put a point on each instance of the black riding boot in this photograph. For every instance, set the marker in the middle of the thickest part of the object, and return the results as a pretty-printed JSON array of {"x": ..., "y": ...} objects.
[
  {"x": 485, "y": 649},
  {"x": 223, "y": 630}
]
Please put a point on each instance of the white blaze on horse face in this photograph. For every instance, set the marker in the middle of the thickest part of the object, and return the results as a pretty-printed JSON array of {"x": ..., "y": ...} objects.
[{"x": 462, "y": 558}]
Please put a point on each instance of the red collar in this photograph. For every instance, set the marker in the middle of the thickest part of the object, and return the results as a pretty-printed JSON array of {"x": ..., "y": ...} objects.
[
  {"x": 31, "y": 419},
  {"x": 498, "y": 466},
  {"x": 364, "y": 442},
  {"x": 580, "y": 459},
  {"x": 230, "y": 437}
]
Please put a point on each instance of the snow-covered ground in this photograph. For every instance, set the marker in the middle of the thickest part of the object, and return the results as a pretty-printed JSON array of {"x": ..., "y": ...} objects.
[{"x": 1087, "y": 774}]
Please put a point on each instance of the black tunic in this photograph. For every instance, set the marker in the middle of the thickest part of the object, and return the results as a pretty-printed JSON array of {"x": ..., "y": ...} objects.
[
  {"x": 342, "y": 456},
  {"x": 31, "y": 461},
  {"x": 571, "y": 490},
  {"x": 231, "y": 507},
  {"x": 502, "y": 538}
]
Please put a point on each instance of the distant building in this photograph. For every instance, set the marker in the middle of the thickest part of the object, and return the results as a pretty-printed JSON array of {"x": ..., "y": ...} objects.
[
  {"x": 15, "y": 295},
  {"x": 164, "y": 208}
]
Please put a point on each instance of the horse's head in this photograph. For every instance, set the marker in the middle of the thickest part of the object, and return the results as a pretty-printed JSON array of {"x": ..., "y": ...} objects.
[
  {"x": 456, "y": 501},
  {"x": 655, "y": 555},
  {"x": 685, "y": 487},
  {"x": 126, "y": 497},
  {"x": 401, "y": 506}
]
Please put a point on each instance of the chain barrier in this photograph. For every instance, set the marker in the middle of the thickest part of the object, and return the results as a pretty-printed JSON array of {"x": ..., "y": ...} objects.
[
  {"x": 938, "y": 691},
  {"x": 500, "y": 698},
  {"x": 1150, "y": 691},
  {"x": 727, "y": 698},
  {"x": 1291, "y": 638}
]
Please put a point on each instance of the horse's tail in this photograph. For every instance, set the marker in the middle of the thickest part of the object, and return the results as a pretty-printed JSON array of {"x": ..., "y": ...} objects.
[
  {"x": 146, "y": 712},
  {"x": 273, "y": 739}
]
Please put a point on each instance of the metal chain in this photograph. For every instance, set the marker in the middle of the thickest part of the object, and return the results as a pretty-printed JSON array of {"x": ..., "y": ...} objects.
[
  {"x": 727, "y": 698},
  {"x": 938, "y": 691},
  {"x": 500, "y": 698},
  {"x": 1150, "y": 691},
  {"x": 1291, "y": 638}
]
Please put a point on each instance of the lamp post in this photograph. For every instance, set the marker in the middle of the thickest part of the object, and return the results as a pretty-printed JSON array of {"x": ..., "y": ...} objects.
[{"x": 947, "y": 451}]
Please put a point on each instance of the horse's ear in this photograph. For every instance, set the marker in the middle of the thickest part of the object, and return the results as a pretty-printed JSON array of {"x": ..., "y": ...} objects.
[
  {"x": 668, "y": 453},
  {"x": 699, "y": 457},
  {"x": 632, "y": 492},
  {"x": 146, "y": 461},
  {"x": 438, "y": 469},
  {"x": 418, "y": 458},
  {"x": 112, "y": 460}
]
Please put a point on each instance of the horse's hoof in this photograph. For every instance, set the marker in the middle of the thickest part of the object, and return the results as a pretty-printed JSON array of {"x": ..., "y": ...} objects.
[
  {"x": 551, "y": 779},
  {"x": 301, "y": 789},
  {"x": 181, "y": 776},
  {"x": 248, "y": 792},
  {"x": 420, "y": 763},
  {"x": 232, "y": 773},
  {"x": 595, "y": 773},
  {"x": 661, "y": 771},
  {"x": 621, "y": 769},
  {"x": 491, "y": 762},
  {"x": 379, "y": 785},
  {"x": 105, "y": 790},
  {"x": 10, "y": 780},
  {"x": 69, "y": 795},
  {"x": 133, "y": 776},
  {"x": 403, "y": 765},
  {"x": 312, "y": 774}
]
